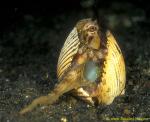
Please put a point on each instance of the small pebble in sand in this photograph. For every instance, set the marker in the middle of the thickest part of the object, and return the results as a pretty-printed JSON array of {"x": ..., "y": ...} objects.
[{"x": 63, "y": 119}]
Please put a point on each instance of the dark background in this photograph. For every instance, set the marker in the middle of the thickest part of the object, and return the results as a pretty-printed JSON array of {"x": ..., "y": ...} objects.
[
  {"x": 12, "y": 15},
  {"x": 31, "y": 39}
]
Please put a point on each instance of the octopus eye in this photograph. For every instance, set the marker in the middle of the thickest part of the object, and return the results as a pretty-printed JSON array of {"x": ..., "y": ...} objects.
[
  {"x": 92, "y": 29},
  {"x": 91, "y": 71}
]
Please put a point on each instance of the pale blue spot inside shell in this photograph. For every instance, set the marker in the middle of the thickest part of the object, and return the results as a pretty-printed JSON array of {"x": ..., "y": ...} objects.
[{"x": 91, "y": 71}]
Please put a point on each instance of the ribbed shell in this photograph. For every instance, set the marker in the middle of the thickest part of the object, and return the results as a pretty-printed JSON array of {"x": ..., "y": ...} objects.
[
  {"x": 67, "y": 53},
  {"x": 114, "y": 76},
  {"x": 112, "y": 81}
]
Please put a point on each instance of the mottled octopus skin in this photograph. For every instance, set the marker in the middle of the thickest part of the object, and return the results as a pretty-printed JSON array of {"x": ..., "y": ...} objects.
[
  {"x": 112, "y": 80},
  {"x": 85, "y": 43}
]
